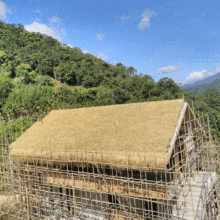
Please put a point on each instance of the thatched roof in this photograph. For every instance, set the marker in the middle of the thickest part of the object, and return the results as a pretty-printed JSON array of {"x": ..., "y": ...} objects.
[{"x": 136, "y": 134}]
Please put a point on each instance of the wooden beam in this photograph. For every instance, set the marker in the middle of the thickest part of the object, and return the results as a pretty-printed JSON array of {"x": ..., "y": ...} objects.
[
  {"x": 176, "y": 132},
  {"x": 123, "y": 189},
  {"x": 209, "y": 130}
]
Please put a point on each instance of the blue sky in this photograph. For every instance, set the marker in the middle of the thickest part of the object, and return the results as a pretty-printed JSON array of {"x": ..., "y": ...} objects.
[{"x": 163, "y": 38}]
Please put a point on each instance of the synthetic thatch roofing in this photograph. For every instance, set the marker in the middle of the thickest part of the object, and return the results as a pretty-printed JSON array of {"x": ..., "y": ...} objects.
[{"x": 136, "y": 134}]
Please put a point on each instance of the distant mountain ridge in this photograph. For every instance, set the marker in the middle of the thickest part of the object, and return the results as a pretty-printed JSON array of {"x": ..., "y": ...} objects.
[
  {"x": 201, "y": 87},
  {"x": 208, "y": 79}
]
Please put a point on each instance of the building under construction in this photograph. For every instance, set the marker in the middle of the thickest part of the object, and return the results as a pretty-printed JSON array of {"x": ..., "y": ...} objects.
[{"x": 149, "y": 160}]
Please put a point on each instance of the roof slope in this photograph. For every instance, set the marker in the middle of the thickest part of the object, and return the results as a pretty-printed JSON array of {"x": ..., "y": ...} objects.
[{"x": 128, "y": 134}]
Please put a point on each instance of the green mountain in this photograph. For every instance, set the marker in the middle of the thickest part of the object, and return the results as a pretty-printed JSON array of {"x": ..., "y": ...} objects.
[
  {"x": 208, "y": 79},
  {"x": 38, "y": 74},
  {"x": 200, "y": 88}
]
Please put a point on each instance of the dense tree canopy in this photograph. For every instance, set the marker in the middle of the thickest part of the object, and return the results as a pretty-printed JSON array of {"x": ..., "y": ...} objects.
[{"x": 38, "y": 74}]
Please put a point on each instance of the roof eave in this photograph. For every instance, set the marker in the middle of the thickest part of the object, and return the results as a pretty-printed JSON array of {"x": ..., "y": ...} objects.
[
  {"x": 176, "y": 132},
  {"x": 177, "y": 129}
]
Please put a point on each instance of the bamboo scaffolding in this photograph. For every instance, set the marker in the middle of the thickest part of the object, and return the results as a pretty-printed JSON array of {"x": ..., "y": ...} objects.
[{"x": 76, "y": 189}]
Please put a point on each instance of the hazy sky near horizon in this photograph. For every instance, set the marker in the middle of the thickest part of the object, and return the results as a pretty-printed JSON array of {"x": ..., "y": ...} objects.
[{"x": 163, "y": 38}]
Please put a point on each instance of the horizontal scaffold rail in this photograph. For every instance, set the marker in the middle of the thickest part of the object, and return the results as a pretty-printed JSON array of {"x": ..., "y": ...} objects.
[{"x": 91, "y": 182}]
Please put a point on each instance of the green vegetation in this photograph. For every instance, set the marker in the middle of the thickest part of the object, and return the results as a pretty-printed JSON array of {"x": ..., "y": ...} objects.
[
  {"x": 202, "y": 87},
  {"x": 39, "y": 74}
]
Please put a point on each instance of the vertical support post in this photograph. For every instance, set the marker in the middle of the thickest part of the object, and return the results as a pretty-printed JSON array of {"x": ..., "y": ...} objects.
[
  {"x": 74, "y": 202},
  {"x": 203, "y": 120},
  {"x": 27, "y": 203},
  {"x": 210, "y": 136},
  {"x": 152, "y": 210},
  {"x": 192, "y": 106}
]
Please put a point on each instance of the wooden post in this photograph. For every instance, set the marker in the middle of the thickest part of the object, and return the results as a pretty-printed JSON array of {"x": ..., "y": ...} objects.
[
  {"x": 210, "y": 136},
  {"x": 192, "y": 106},
  {"x": 203, "y": 120},
  {"x": 74, "y": 202},
  {"x": 27, "y": 204},
  {"x": 199, "y": 118},
  {"x": 176, "y": 166}
]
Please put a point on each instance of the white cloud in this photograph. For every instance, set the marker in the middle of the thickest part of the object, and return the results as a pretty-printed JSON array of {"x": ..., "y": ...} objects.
[
  {"x": 199, "y": 75},
  {"x": 145, "y": 21},
  {"x": 4, "y": 10},
  {"x": 55, "y": 19},
  {"x": 124, "y": 18},
  {"x": 100, "y": 36},
  {"x": 168, "y": 69},
  {"x": 194, "y": 76},
  {"x": 85, "y": 51},
  {"x": 216, "y": 70},
  {"x": 102, "y": 56},
  {"x": 213, "y": 71},
  {"x": 43, "y": 29},
  {"x": 63, "y": 32},
  {"x": 68, "y": 45},
  {"x": 98, "y": 55},
  {"x": 38, "y": 11}
]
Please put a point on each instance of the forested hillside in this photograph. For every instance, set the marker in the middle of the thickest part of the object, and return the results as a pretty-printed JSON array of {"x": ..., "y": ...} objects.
[
  {"x": 39, "y": 74},
  {"x": 200, "y": 88},
  {"x": 206, "y": 80}
]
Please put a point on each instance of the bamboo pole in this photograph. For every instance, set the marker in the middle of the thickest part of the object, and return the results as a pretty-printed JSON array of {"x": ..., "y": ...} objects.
[
  {"x": 108, "y": 179},
  {"x": 27, "y": 204},
  {"x": 172, "y": 143},
  {"x": 193, "y": 106},
  {"x": 210, "y": 136}
]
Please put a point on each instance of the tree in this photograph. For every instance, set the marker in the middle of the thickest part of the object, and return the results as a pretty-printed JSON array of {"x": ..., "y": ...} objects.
[
  {"x": 120, "y": 95},
  {"x": 45, "y": 81},
  {"x": 146, "y": 88},
  {"x": 89, "y": 81},
  {"x": 25, "y": 72},
  {"x": 131, "y": 71},
  {"x": 146, "y": 78},
  {"x": 35, "y": 59},
  {"x": 6, "y": 86},
  {"x": 21, "y": 27},
  {"x": 168, "y": 84}
]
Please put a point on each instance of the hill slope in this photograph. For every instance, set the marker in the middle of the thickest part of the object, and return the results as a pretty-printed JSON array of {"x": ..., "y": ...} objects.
[
  {"x": 208, "y": 79},
  {"x": 202, "y": 87},
  {"x": 39, "y": 74}
]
